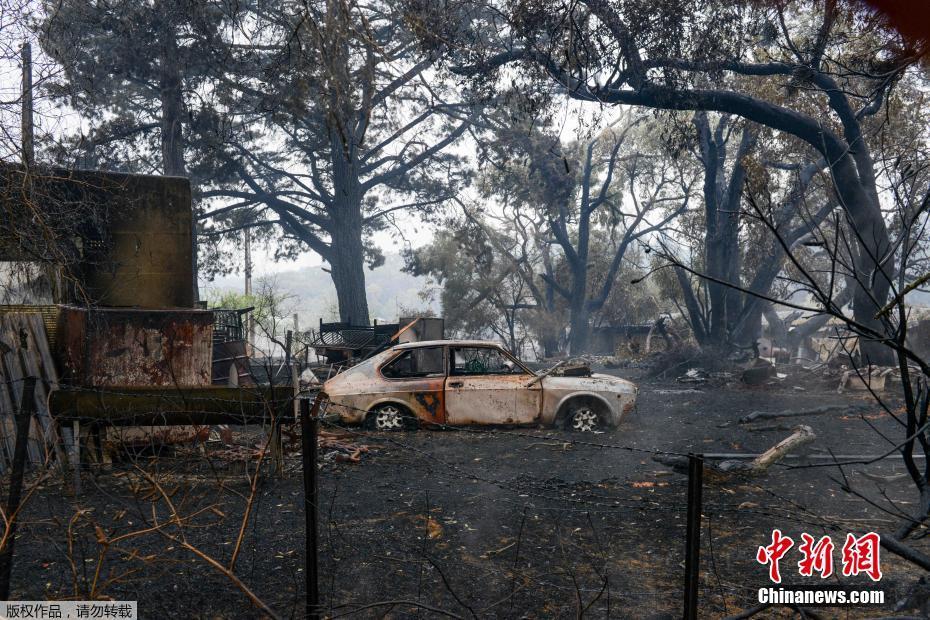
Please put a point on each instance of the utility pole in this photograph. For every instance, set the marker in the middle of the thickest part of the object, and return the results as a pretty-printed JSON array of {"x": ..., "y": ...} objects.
[
  {"x": 296, "y": 343},
  {"x": 250, "y": 320},
  {"x": 27, "y": 114}
]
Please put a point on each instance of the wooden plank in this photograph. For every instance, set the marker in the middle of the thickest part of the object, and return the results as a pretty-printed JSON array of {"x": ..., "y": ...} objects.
[
  {"x": 14, "y": 376},
  {"x": 16, "y": 370},
  {"x": 37, "y": 361},
  {"x": 29, "y": 357},
  {"x": 37, "y": 367},
  {"x": 31, "y": 367},
  {"x": 49, "y": 384},
  {"x": 49, "y": 371},
  {"x": 11, "y": 358}
]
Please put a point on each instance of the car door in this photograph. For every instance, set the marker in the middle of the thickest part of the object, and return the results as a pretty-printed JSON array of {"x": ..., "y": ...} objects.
[
  {"x": 416, "y": 377},
  {"x": 485, "y": 386}
]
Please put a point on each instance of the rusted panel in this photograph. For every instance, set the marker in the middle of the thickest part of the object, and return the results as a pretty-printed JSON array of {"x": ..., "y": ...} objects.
[
  {"x": 491, "y": 399},
  {"x": 105, "y": 347},
  {"x": 423, "y": 397},
  {"x": 432, "y": 404},
  {"x": 362, "y": 387}
]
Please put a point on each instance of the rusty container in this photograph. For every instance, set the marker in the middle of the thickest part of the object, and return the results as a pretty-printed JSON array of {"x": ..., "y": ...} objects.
[{"x": 132, "y": 347}]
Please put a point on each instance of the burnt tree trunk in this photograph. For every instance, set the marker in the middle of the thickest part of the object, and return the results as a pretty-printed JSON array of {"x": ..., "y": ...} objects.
[
  {"x": 722, "y": 251},
  {"x": 578, "y": 260},
  {"x": 578, "y": 308},
  {"x": 348, "y": 271},
  {"x": 347, "y": 254}
]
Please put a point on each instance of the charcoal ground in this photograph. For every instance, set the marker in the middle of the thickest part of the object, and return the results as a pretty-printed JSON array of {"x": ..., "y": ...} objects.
[{"x": 502, "y": 522}]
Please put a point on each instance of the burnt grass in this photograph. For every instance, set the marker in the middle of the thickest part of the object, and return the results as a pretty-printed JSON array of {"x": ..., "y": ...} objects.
[{"x": 502, "y": 522}]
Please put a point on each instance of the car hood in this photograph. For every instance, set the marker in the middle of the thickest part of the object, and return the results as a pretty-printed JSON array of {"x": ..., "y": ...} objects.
[{"x": 593, "y": 383}]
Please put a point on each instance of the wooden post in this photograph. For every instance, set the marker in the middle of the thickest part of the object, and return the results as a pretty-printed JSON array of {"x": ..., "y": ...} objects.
[
  {"x": 296, "y": 382},
  {"x": 28, "y": 137},
  {"x": 277, "y": 450},
  {"x": 23, "y": 420},
  {"x": 310, "y": 429},
  {"x": 693, "y": 535}
]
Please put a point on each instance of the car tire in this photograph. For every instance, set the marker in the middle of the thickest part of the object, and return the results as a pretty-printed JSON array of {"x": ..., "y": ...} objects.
[
  {"x": 583, "y": 416},
  {"x": 390, "y": 417}
]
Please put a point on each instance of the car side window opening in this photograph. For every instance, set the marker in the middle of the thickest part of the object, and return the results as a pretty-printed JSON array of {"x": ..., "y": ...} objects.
[
  {"x": 424, "y": 362},
  {"x": 482, "y": 361}
]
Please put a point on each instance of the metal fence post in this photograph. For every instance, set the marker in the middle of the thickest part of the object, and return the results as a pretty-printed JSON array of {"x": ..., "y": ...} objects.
[
  {"x": 23, "y": 420},
  {"x": 693, "y": 536},
  {"x": 310, "y": 428}
]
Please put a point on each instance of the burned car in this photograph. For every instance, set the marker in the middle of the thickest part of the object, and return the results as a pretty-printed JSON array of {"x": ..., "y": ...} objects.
[{"x": 462, "y": 382}]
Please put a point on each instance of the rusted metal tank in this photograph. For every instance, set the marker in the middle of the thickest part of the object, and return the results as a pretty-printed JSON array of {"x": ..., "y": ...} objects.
[
  {"x": 107, "y": 347},
  {"x": 231, "y": 364}
]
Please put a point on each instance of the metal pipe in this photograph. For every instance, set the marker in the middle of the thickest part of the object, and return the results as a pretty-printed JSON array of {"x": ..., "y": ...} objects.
[
  {"x": 310, "y": 428},
  {"x": 693, "y": 536}
]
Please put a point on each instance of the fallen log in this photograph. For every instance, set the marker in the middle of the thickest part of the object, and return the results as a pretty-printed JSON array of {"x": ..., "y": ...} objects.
[
  {"x": 802, "y": 436},
  {"x": 771, "y": 415}
]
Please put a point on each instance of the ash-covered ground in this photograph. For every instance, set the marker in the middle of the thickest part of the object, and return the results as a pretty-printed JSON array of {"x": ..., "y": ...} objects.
[{"x": 502, "y": 522}]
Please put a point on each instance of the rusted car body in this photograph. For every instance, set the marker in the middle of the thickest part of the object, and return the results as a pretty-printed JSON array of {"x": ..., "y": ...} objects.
[{"x": 462, "y": 382}]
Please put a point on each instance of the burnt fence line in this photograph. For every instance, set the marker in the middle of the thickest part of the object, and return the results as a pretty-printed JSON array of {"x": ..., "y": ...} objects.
[
  {"x": 453, "y": 472},
  {"x": 182, "y": 392},
  {"x": 585, "y": 503}
]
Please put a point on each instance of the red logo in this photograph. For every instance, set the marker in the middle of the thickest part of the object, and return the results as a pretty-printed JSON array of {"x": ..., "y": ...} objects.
[
  {"x": 773, "y": 553},
  {"x": 817, "y": 556},
  {"x": 860, "y": 555}
]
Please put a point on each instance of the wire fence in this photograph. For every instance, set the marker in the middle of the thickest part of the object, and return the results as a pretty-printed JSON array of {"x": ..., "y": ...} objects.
[{"x": 456, "y": 522}]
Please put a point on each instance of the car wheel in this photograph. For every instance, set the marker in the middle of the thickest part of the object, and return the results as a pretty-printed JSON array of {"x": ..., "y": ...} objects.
[
  {"x": 583, "y": 418},
  {"x": 389, "y": 417}
]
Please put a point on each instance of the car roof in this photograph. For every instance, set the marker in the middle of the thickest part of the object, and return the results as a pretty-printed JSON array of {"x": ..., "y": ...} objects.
[{"x": 439, "y": 343}]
